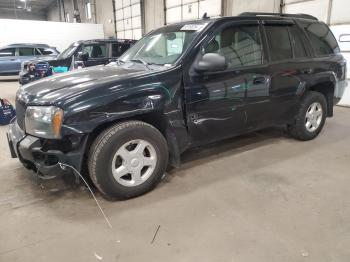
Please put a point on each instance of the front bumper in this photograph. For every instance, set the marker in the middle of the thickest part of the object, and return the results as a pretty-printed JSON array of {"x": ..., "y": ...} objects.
[{"x": 31, "y": 152}]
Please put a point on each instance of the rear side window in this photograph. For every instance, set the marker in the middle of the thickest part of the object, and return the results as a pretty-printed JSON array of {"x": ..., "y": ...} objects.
[
  {"x": 297, "y": 42},
  {"x": 26, "y": 51},
  {"x": 322, "y": 39},
  {"x": 7, "y": 52},
  {"x": 279, "y": 42},
  {"x": 241, "y": 45},
  {"x": 119, "y": 49}
]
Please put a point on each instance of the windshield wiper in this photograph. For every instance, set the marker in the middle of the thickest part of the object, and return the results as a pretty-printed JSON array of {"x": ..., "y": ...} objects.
[{"x": 141, "y": 61}]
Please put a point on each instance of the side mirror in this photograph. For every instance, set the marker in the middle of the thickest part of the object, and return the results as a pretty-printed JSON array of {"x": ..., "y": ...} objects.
[
  {"x": 83, "y": 56},
  {"x": 211, "y": 62}
]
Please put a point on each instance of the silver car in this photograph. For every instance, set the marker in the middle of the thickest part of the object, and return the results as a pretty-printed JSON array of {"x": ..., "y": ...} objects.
[{"x": 12, "y": 56}]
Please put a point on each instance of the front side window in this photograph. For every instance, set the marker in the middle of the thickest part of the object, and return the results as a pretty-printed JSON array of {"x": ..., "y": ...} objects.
[
  {"x": 241, "y": 45},
  {"x": 7, "y": 52},
  {"x": 26, "y": 51},
  {"x": 279, "y": 42},
  {"x": 119, "y": 49},
  {"x": 95, "y": 50},
  {"x": 322, "y": 39}
]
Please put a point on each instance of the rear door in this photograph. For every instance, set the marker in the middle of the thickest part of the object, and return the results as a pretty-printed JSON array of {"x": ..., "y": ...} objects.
[
  {"x": 288, "y": 67},
  {"x": 8, "y": 61},
  {"x": 97, "y": 54}
]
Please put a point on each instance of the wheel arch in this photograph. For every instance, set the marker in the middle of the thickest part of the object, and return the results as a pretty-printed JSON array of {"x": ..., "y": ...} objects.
[
  {"x": 154, "y": 118},
  {"x": 326, "y": 88}
]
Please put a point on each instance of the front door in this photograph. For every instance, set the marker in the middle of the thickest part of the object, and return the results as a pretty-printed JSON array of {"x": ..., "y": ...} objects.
[{"x": 216, "y": 101}]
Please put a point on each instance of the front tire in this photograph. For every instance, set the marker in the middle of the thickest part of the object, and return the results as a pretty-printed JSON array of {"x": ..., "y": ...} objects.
[
  {"x": 310, "y": 117},
  {"x": 128, "y": 160}
]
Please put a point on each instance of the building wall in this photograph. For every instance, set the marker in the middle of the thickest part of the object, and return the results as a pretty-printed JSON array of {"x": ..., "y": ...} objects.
[
  {"x": 20, "y": 14},
  {"x": 104, "y": 15},
  {"x": 155, "y": 17},
  {"x": 154, "y": 14},
  {"x": 53, "y": 12},
  {"x": 235, "y": 7},
  {"x": 57, "y": 34}
]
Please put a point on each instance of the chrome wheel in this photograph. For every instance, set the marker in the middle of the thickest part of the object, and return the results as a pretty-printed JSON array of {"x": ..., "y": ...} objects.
[
  {"x": 313, "y": 117},
  {"x": 134, "y": 163}
]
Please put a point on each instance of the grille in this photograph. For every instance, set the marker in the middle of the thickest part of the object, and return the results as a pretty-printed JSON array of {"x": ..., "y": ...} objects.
[{"x": 20, "y": 113}]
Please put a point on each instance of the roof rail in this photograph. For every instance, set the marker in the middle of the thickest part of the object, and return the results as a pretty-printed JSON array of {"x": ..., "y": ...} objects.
[{"x": 306, "y": 16}]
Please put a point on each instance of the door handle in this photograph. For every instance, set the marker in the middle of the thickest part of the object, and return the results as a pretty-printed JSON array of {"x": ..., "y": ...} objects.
[
  {"x": 307, "y": 71},
  {"x": 260, "y": 80}
]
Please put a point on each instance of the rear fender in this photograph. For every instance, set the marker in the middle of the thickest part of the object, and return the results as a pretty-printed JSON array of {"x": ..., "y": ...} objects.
[{"x": 324, "y": 83}]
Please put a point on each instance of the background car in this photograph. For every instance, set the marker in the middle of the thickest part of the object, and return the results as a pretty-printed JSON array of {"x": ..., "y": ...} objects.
[
  {"x": 12, "y": 56},
  {"x": 86, "y": 52}
]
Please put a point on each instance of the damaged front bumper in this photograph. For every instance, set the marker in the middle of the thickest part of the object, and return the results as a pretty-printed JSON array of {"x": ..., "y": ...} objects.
[{"x": 43, "y": 155}]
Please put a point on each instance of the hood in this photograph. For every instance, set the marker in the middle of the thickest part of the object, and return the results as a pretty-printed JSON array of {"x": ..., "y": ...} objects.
[
  {"x": 48, "y": 58},
  {"x": 60, "y": 88}
]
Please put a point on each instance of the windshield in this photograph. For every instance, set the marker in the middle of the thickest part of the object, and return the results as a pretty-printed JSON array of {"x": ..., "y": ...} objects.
[
  {"x": 165, "y": 45},
  {"x": 69, "y": 51}
]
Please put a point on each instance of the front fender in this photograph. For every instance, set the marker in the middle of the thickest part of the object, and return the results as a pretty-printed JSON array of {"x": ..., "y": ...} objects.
[{"x": 131, "y": 102}]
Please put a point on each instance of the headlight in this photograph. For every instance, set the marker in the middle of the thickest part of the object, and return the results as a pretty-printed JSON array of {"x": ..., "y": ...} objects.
[{"x": 44, "y": 121}]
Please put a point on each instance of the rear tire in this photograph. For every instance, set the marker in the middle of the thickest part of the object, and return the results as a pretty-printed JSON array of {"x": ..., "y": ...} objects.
[
  {"x": 128, "y": 160},
  {"x": 310, "y": 117}
]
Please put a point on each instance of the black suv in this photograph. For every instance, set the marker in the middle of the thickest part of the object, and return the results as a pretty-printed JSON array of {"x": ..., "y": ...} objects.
[
  {"x": 180, "y": 86},
  {"x": 84, "y": 52}
]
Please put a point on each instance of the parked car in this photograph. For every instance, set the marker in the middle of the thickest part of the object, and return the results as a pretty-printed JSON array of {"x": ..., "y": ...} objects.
[
  {"x": 12, "y": 56},
  {"x": 180, "y": 86},
  {"x": 81, "y": 53}
]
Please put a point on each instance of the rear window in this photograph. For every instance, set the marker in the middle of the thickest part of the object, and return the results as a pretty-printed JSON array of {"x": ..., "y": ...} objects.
[
  {"x": 279, "y": 42},
  {"x": 322, "y": 39},
  {"x": 7, "y": 52}
]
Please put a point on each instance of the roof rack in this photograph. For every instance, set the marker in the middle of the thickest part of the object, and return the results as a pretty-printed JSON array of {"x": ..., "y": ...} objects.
[{"x": 306, "y": 16}]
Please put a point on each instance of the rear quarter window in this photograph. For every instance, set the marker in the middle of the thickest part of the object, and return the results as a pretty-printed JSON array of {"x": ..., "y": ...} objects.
[
  {"x": 46, "y": 51},
  {"x": 322, "y": 39}
]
